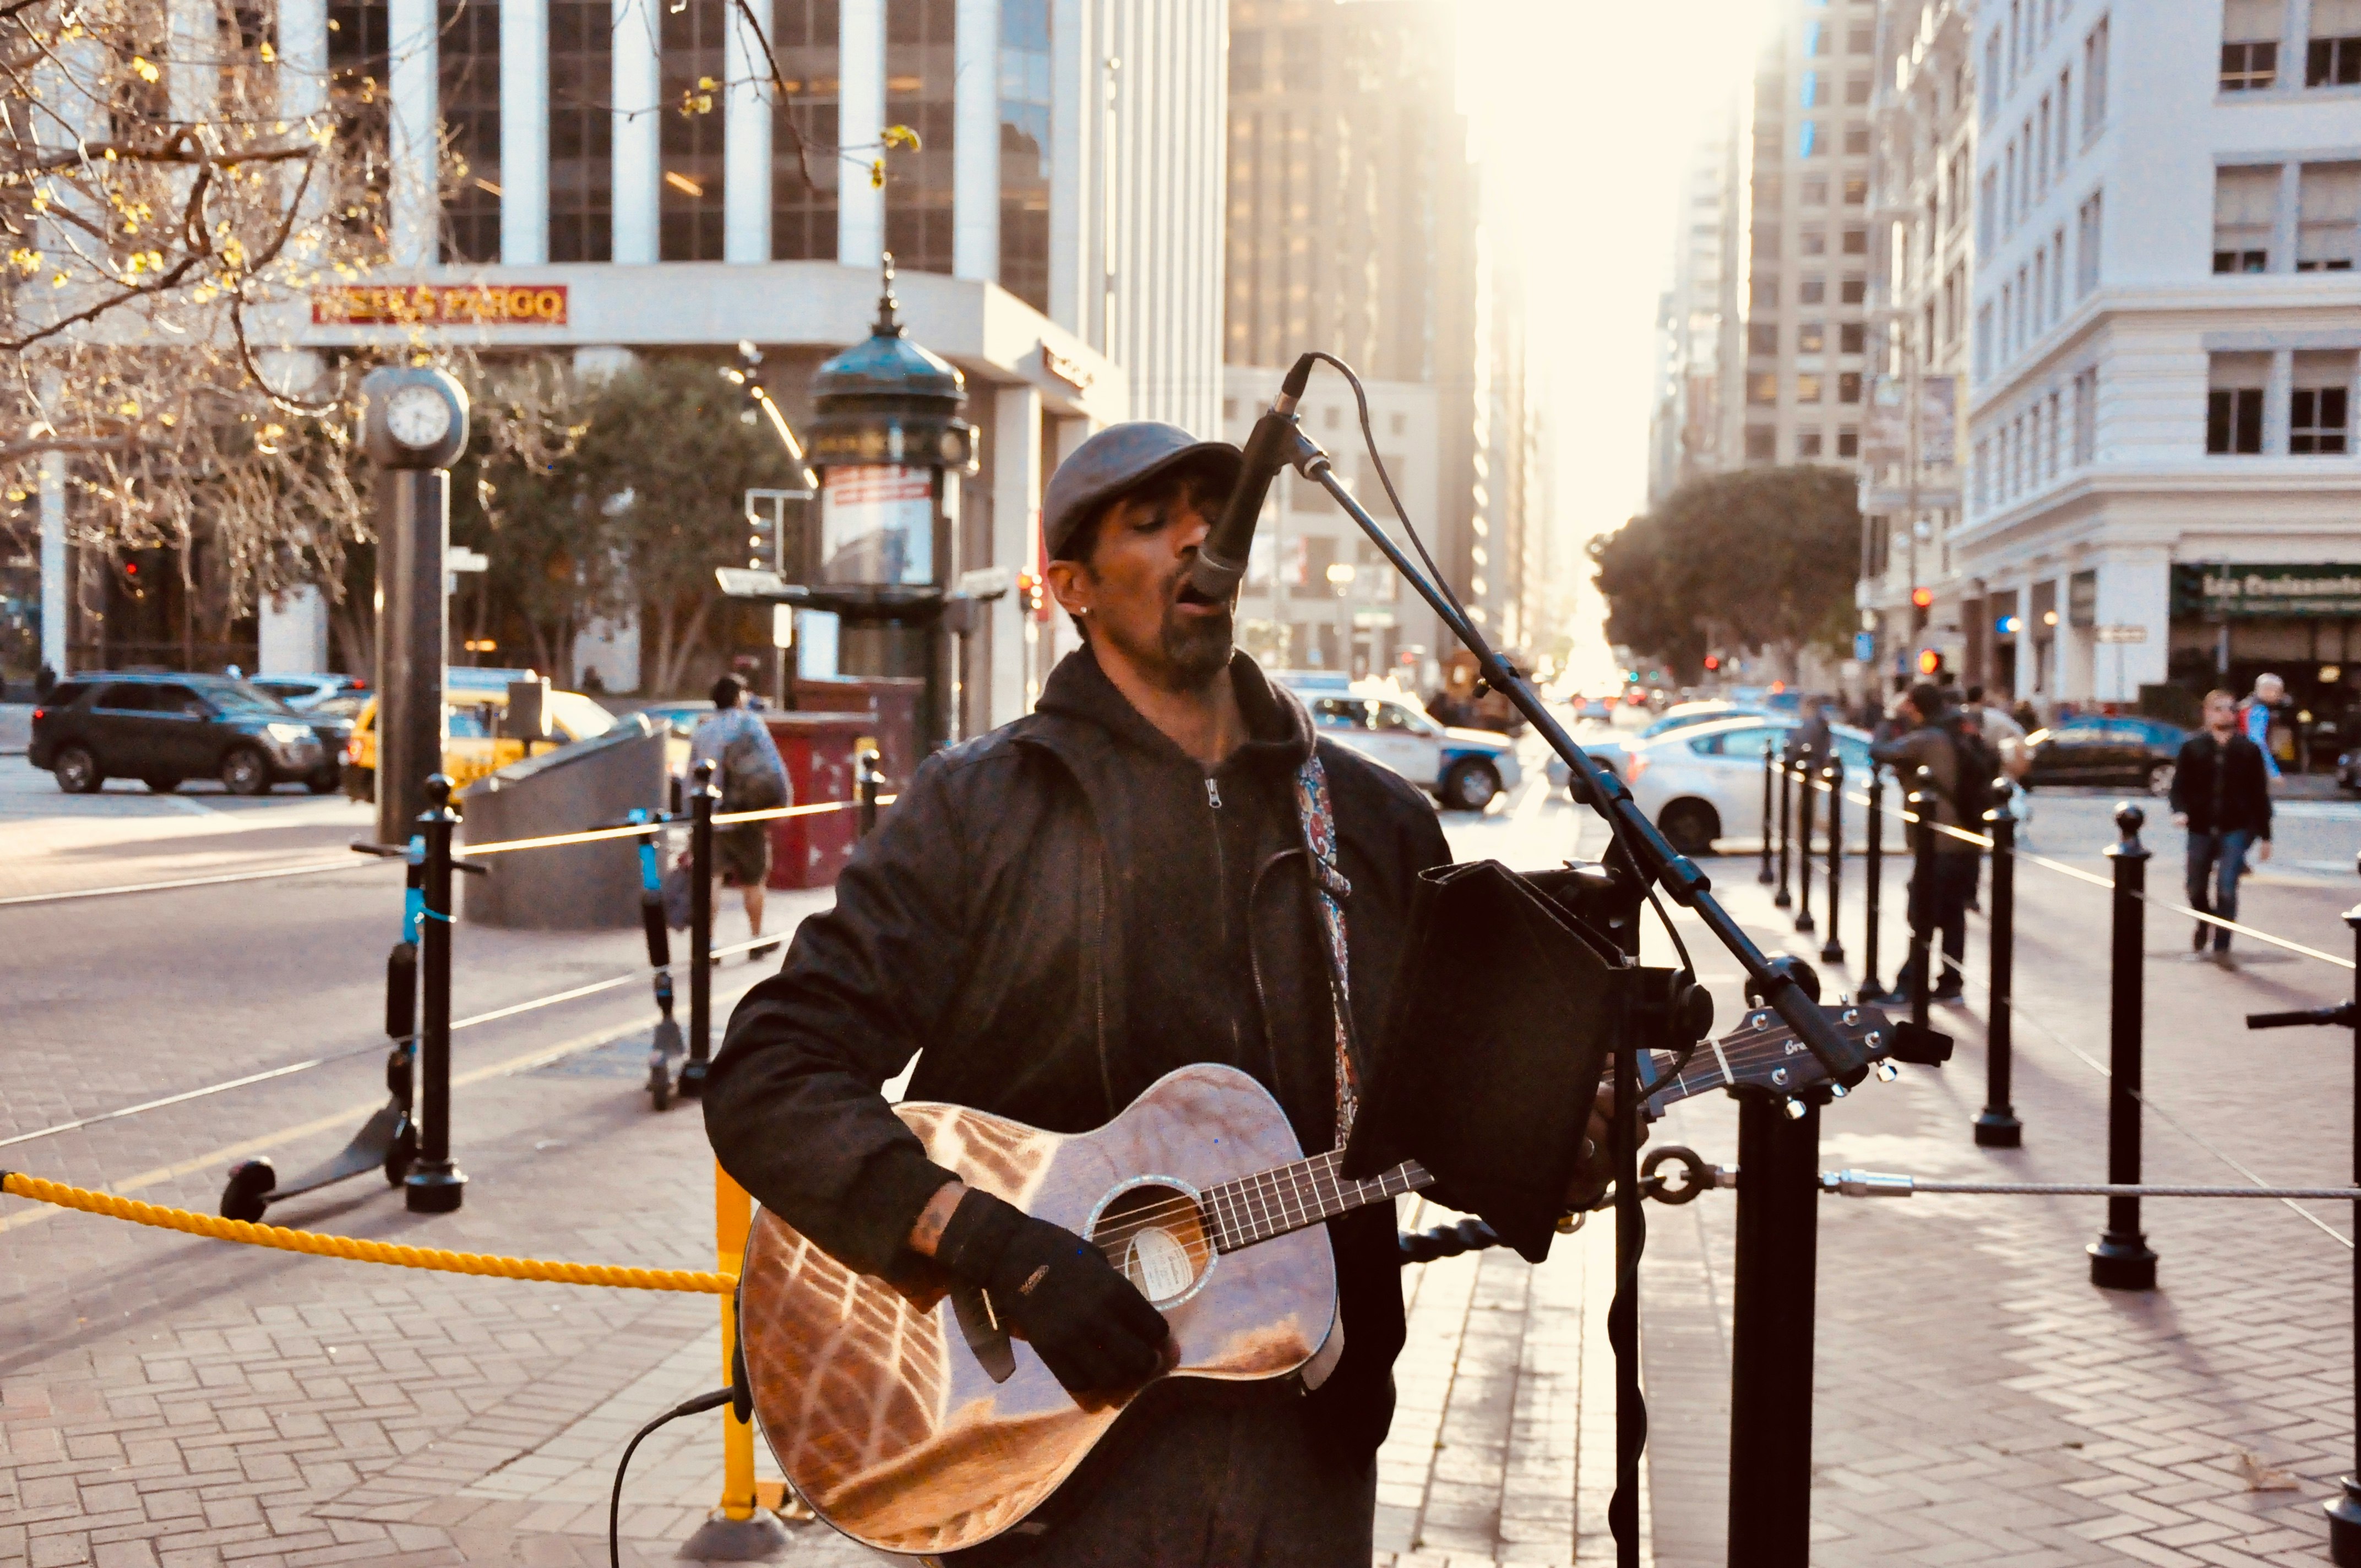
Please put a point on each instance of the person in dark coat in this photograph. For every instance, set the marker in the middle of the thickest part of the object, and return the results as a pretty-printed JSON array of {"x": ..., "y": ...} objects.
[
  {"x": 2222, "y": 794},
  {"x": 1060, "y": 913}
]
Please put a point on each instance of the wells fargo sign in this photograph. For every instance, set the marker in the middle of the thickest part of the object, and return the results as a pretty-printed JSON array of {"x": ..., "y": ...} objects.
[{"x": 440, "y": 304}]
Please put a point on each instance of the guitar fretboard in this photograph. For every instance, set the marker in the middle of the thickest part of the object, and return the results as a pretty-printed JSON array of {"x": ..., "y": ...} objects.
[{"x": 1290, "y": 1197}]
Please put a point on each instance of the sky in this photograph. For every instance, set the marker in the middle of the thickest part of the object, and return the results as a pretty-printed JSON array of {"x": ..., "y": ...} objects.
[{"x": 1588, "y": 110}]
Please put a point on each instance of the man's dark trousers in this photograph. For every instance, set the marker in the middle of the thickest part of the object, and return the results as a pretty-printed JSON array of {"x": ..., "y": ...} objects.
[
  {"x": 2216, "y": 861},
  {"x": 1942, "y": 907}
]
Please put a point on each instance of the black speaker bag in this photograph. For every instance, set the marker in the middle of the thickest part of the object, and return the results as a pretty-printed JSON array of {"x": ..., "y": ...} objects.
[{"x": 1502, "y": 1018}]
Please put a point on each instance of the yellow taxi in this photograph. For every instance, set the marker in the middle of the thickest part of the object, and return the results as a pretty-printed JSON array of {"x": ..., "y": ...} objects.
[{"x": 472, "y": 703}]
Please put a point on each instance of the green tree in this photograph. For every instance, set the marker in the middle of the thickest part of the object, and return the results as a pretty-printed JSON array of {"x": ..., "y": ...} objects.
[
  {"x": 665, "y": 460},
  {"x": 1763, "y": 558}
]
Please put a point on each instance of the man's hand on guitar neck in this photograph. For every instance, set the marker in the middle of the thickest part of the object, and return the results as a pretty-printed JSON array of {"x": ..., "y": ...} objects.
[
  {"x": 1598, "y": 1167},
  {"x": 1086, "y": 1321}
]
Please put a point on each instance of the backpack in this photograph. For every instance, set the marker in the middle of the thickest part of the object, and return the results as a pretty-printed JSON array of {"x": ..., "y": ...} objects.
[
  {"x": 1974, "y": 766},
  {"x": 749, "y": 780}
]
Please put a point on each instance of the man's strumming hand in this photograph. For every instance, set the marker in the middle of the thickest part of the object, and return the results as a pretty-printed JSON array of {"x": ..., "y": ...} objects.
[{"x": 1089, "y": 1326}]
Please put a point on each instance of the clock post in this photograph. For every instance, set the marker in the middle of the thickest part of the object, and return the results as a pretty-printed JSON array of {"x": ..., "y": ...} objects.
[{"x": 414, "y": 425}]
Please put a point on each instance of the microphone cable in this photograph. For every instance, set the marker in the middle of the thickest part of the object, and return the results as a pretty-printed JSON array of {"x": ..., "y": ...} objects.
[{"x": 699, "y": 1406}]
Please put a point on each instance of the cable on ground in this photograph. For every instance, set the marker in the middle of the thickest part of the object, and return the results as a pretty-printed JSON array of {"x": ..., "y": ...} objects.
[{"x": 354, "y": 1249}]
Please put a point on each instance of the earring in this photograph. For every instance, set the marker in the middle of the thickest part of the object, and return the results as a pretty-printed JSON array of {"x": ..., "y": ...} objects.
[{"x": 1085, "y": 610}]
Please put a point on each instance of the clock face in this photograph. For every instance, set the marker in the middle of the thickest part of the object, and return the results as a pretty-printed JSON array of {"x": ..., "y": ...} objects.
[{"x": 417, "y": 416}]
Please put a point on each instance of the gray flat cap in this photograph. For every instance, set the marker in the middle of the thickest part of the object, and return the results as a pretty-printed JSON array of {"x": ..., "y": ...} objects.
[{"x": 1114, "y": 460}]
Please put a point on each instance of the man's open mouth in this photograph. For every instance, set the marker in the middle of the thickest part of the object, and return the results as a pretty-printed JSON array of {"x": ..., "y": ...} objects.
[{"x": 1190, "y": 595}]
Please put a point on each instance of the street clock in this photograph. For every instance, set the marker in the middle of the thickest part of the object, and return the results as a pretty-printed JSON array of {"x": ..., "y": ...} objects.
[{"x": 413, "y": 417}]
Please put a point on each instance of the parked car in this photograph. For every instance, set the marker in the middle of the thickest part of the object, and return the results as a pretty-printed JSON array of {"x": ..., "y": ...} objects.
[
  {"x": 472, "y": 704},
  {"x": 305, "y": 692},
  {"x": 163, "y": 729},
  {"x": 1462, "y": 768},
  {"x": 2101, "y": 748},
  {"x": 1704, "y": 782}
]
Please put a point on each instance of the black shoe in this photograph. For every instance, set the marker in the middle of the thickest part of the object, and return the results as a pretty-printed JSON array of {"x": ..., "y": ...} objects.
[
  {"x": 762, "y": 950},
  {"x": 2197, "y": 938},
  {"x": 1949, "y": 996}
]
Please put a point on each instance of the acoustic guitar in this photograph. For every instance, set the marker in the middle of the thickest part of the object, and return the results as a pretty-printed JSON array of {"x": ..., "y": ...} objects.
[{"x": 911, "y": 1422}]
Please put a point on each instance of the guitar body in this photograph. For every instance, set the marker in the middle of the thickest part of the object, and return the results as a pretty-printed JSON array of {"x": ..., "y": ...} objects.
[{"x": 894, "y": 1429}]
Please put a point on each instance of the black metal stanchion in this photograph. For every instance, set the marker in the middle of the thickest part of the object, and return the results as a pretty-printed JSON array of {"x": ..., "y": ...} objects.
[
  {"x": 2120, "y": 1258},
  {"x": 1833, "y": 951},
  {"x": 1786, "y": 822},
  {"x": 1921, "y": 901},
  {"x": 1998, "y": 1127},
  {"x": 869, "y": 781},
  {"x": 1873, "y": 882},
  {"x": 1805, "y": 778},
  {"x": 436, "y": 1184},
  {"x": 702, "y": 796},
  {"x": 1774, "y": 1289},
  {"x": 1770, "y": 761}
]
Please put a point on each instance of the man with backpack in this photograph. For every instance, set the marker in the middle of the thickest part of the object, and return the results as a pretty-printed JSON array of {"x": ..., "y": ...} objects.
[
  {"x": 1961, "y": 766},
  {"x": 747, "y": 767},
  {"x": 2222, "y": 794}
]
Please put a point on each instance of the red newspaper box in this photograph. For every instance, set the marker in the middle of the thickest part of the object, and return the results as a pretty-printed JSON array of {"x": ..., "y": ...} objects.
[{"x": 808, "y": 852}]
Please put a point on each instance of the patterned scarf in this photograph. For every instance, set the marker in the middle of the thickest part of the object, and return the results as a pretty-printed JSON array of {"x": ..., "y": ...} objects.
[{"x": 1329, "y": 886}]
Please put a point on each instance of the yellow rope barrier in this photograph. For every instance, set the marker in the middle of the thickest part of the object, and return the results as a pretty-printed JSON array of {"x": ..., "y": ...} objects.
[
  {"x": 641, "y": 829},
  {"x": 360, "y": 1251}
]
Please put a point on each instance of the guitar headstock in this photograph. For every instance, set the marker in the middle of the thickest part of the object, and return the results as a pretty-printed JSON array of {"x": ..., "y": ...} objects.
[{"x": 1763, "y": 1056}]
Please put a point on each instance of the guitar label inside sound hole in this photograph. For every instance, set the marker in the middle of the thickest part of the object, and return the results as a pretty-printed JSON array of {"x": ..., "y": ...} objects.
[{"x": 1156, "y": 1235}]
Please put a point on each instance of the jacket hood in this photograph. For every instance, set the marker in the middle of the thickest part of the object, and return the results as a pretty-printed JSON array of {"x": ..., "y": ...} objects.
[{"x": 1279, "y": 731}]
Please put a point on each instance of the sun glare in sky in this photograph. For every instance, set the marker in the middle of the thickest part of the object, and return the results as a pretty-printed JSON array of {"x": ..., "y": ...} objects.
[{"x": 1585, "y": 114}]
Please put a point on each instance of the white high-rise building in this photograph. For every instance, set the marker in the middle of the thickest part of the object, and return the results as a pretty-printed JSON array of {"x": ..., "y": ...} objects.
[
  {"x": 2163, "y": 483},
  {"x": 1700, "y": 338}
]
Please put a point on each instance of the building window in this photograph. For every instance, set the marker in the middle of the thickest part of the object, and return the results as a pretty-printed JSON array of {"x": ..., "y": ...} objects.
[
  {"x": 2065, "y": 145},
  {"x": 1761, "y": 443},
  {"x": 1856, "y": 242},
  {"x": 1811, "y": 337},
  {"x": 1861, "y": 40},
  {"x": 1816, "y": 192},
  {"x": 1762, "y": 337},
  {"x": 2088, "y": 222},
  {"x": 1811, "y": 242},
  {"x": 2245, "y": 211},
  {"x": 1808, "y": 139},
  {"x": 2040, "y": 289},
  {"x": 2094, "y": 80},
  {"x": 359, "y": 52},
  {"x": 1980, "y": 477},
  {"x": 1851, "y": 337},
  {"x": 2329, "y": 204},
  {"x": 1246, "y": 57},
  {"x": 2317, "y": 420},
  {"x": 2250, "y": 44},
  {"x": 1856, "y": 190},
  {"x": 804, "y": 170},
  {"x": 582, "y": 131},
  {"x": 690, "y": 200},
  {"x": 1025, "y": 150},
  {"x": 2058, "y": 274},
  {"x": 1762, "y": 292},
  {"x": 2057, "y": 403},
  {"x": 1808, "y": 443},
  {"x": 2086, "y": 415},
  {"x": 2041, "y": 151},
  {"x": 1763, "y": 389},
  {"x": 1857, "y": 89},
  {"x": 1989, "y": 88},
  {"x": 2333, "y": 57},
  {"x": 1983, "y": 342},
  {"x": 1812, "y": 291},
  {"x": 1810, "y": 96},
  {"x": 2008, "y": 190},
  {"x": 1849, "y": 386},
  {"x": 2233, "y": 402},
  {"x": 1987, "y": 200},
  {"x": 1856, "y": 140},
  {"x": 1807, "y": 388},
  {"x": 1848, "y": 441},
  {"x": 469, "y": 101},
  {"x": 1815, "y": 39},
  {"x": 919, "y": 93},
  {"x": 1853, "y": 291}
]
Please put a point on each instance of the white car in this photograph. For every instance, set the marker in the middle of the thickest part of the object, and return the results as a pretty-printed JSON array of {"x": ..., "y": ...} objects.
[
  {"x": 1462, "y": 768},
  {"x": 1704, "y": 782}
]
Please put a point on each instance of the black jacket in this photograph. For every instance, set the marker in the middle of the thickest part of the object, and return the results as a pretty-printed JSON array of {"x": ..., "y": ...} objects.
[
  {"x": 983, "y": 921},
  {"x": 2222, "y": 789}
]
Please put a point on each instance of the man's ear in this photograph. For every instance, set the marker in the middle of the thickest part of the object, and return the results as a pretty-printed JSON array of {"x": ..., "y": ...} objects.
[{"x": 1069, "y": 585}]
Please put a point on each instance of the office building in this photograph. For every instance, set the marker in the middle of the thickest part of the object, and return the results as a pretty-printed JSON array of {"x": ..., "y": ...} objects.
[
  {"x": 1358, "y": 224},
  {"x": 2163, "y": 485},
  {"x": 1921, "y": 261},
  {"x": 1695, "y": 426},
  {"x": 635, "y": 176}
]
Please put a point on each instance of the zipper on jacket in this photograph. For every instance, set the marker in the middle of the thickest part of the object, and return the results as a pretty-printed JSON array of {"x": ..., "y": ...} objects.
[{"x": 1214, "y": 793}]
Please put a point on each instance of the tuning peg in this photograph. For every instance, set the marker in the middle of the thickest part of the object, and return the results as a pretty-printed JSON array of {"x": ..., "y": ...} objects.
[
  {"x": 1836, "y": 1091},
  {"x": 1886, "y": 1072},
  {"x": 1794, "y": 1108}
]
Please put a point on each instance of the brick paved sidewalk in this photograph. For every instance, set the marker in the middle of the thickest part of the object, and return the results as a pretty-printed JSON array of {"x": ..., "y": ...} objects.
[{"x": 1977, "y": 1399}]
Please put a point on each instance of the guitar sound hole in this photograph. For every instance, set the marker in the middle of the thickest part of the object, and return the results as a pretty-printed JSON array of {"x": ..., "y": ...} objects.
[{"x": 1156, "y": 1235}]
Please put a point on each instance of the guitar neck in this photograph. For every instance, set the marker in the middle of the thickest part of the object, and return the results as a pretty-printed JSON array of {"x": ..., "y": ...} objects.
[{"x": 1290, "y": 1197}]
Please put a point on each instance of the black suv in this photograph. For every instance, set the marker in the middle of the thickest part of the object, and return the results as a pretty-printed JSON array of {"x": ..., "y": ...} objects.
[{"x": 162, "y": 729}]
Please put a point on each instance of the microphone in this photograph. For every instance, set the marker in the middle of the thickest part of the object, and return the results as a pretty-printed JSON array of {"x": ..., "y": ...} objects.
[{"x": 1221, "y": 561}]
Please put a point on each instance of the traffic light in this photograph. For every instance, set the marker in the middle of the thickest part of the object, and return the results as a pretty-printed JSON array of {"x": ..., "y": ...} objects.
[
  {"x": 762, "y": 541},
  {"x": 1930, "y": 662},
  {"x": 1921, "y": 601},
  {"x": 1713, "y": 661}
]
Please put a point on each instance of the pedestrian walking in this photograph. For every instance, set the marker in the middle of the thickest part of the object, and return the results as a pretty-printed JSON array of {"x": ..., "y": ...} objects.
[
  {"x": 2254, "y": 718},
  {"x": 2222, "y": 794},
  {"x": 1954, "y": 755},
  {"x": 1060, "y": 912},
  {"x": 1812, "y": 734},
  {"x": 747, "y": 765}
]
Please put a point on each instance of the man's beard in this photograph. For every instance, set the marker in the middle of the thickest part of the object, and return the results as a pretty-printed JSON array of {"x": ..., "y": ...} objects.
[{"x": 1195, "y": 648}]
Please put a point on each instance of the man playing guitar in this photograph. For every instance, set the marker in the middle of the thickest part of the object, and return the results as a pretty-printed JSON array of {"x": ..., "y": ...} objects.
[{"x": 1053, "y": 916}]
